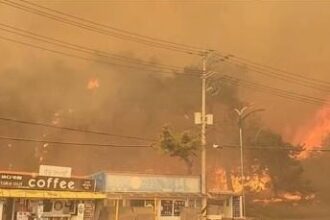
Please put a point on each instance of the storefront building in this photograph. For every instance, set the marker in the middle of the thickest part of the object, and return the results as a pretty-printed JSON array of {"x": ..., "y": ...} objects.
[
  {"x": 29, "y": 196},
  {"x": 161, "y": 197}
]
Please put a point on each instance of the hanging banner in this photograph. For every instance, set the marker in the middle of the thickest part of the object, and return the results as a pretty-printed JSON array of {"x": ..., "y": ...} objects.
[{"x": 24, "y": 181}]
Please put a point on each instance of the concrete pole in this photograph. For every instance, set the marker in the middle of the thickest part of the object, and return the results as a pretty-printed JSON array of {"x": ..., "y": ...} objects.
[{"x": 203, "y": 142}]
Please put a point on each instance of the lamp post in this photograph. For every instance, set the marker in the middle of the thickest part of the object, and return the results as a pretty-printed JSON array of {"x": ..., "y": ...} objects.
[{"x": 242, "y": 115}]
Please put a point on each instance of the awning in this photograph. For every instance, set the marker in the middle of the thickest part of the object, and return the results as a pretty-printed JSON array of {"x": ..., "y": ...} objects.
[
  {"x": 150, "y": 195},
  {"x": 21, "y": 193}
]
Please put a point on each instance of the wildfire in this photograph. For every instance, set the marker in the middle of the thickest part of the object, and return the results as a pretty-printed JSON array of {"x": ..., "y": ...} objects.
[
  {"x": 93, "y": 84},
  {"x": 286, "y": 197},
  {"x": 259, "y": 184},
  {"x": 253, "y": 183},
  {"x": 292, "y": 196},
  {"x": 220, "y": 180},
  {"x": 314, "y": 132}
]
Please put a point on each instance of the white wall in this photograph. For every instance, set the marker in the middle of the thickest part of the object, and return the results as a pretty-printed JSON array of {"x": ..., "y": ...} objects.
[{"x": 1, "y": 209}]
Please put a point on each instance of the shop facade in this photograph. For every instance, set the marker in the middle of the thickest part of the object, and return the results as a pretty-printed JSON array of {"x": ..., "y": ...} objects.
[
  {"x": 29, "y": 196},
  {"x": 161, "y": 197}
]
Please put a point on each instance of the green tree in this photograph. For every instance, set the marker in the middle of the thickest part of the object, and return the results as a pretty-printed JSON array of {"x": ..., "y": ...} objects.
[{"x": 183, "y": 146}]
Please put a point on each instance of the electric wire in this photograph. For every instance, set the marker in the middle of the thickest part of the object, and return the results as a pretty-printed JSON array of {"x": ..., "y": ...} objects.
[
  {"x": 73, "y": 143},
  {"x": 300, "y": 98},
  {"x": 96, "y": 29},
  {"x": 247, "y": 61},
  {"x": 272, "y": 147},
  {"x": 92, "y": 59},
  {"x": 117, "y": 29},
  {"x": 74, "y": 129},
  {"x": 274, "y": 91},
  {"x": 284, "y": 93},
  {"x": 84, "y": 49},
  {"x": 301, "y": 81},
  {"x": 202, "y": 51}
]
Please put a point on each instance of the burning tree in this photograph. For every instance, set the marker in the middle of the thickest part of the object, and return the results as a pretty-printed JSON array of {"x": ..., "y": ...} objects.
[{"x": 278, "y": 158}]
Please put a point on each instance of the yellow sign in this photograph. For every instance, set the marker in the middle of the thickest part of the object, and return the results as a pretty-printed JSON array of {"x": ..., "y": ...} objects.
[{"x": 21, "y": 193}]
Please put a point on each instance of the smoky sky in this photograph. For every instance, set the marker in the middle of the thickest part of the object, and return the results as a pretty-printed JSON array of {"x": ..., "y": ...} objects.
[{"x": 288, "y": 35}]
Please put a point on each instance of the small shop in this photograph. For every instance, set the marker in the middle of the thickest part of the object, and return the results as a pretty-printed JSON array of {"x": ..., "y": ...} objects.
[
  {"x": 31, "y": 196},
  {"x": 159, "y": 197},
  {"x": 224, "y": 205},
  {"x": 148, "y": 197}
]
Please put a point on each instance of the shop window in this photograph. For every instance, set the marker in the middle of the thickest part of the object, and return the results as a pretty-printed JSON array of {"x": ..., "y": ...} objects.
[
  {"x": 142, "y": 203},
  {"x": 171, "y": 207},
  {"x": 166, "y": 207},
  {"x": 70, "y": 207},
  {"x": 236, "y": 206},
  {"x": 192, "y": 203},
  {"x": 178, "y": 205},
  {"x": 48, "y": 205},
  {"x": 150, "y": 203},
  {"x": 137, "y": 203}
]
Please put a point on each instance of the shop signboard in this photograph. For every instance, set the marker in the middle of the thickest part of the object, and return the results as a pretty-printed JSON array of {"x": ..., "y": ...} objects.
[
  {"x": 36, "y": 182},
  {"x": 55, "y": 171},
  {"x": 112, "y": 182}
]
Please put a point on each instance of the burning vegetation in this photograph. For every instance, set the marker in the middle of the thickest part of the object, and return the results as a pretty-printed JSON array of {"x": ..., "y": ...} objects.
[{"x": 314, "y": 134}]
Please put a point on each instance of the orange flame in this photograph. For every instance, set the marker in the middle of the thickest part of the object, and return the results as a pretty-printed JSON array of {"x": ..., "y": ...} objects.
[
  {"x": 93, "y": 84},
  {"x": 254, "y": 183},
  {"x": 220, "y": 180},
  {"x": 286, "y": 197},
  {"x": 314, "y": 132}
]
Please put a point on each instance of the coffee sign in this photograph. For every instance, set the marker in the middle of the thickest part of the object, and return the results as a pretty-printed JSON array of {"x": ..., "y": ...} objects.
[{"x": 23, "y": 181}]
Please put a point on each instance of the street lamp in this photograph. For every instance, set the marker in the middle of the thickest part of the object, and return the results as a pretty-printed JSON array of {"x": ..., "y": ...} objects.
[{"x": 242, "y": 115}]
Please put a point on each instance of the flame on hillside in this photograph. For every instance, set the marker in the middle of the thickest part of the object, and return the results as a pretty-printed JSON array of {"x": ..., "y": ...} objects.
[
  {"x": 259, "y": 184},
  {"x": 312, "y": 135},
  {"x": 286, "y": 198},
  {"x": 254, "y": 183}
]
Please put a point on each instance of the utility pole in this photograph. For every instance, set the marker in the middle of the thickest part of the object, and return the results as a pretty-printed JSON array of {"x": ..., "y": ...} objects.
[
  {"x": 203, "y": 142},
  {"x": 203, "y": 119}
]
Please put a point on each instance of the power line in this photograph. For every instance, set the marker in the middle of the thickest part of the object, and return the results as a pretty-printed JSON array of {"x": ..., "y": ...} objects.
[
  {"x": 73, "y": 143},
  {"x": 272, "y": 147},
  {"x": 299, "y": 97},
  {"x": 74, "y": 129},
  {"x": 103, "y": 31},
  {"x": 83, "y": 49},
  {"x": 278, "y": 90},
  {"x": 293, "y": 79},
  {"x": 270, "y": 90},
  {"x": 321, "y": 85},
  {"x": 118, "y": 29},
  {"x": 275, "y": 91},
  {"x": 94, "y": 60},
  {"x": 278, "y": 70}
]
